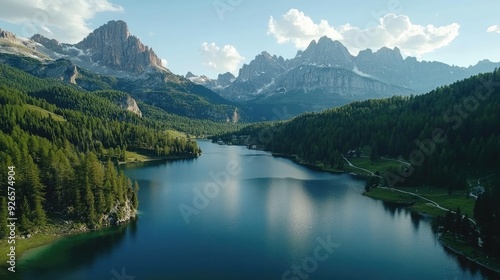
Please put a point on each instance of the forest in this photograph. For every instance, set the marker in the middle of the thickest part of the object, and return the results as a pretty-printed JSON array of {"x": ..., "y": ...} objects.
[
  {"x": 59, "y": 150},
  {"x": 447, "y": 135}
]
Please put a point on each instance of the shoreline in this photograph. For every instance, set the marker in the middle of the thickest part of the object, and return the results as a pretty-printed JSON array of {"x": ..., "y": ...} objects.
[
  {"x": 405, "y": 204},
  {"x": 54, "y": 233},
  {"x": 59, "y": 230},
  {"x": 309, "y": 165},
  {"x": 40, "y": 239},
  {"x": 167, "y": 158},
  {"x": 463, "y": 255},
  {"x": 408, "y": 205}
]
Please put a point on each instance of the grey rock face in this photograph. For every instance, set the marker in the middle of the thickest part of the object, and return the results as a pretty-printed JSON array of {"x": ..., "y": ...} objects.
[
  {"x": 112, "y": 45},
  {"x": 317, "y": 69},
  {"x": 130, "y": 104}
]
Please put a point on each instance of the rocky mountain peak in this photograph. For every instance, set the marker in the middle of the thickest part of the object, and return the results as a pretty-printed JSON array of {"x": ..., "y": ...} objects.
[
  {"x": 111, "y": 31},
  {"x": 111, "y": 45},
  {"x": 263, "y": 64},
  {"x": 325, "y": 52},
  {"x": 189, "y": 75},
  {"x": 388, "y": 54},
  {"x": 223, "y": 80},
  {"x": 51, "y": 44},
  {"x": 8, "y": 36}
]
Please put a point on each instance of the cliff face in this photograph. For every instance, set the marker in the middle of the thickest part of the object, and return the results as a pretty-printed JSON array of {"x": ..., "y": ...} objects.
[
  {"x": 335, "y": 81},
  {"x": 111, "y": 58},
  {"x": 110, "y": 49},
  {"x": 326, "y": 74},
  {"x": 111, "y": 45}
]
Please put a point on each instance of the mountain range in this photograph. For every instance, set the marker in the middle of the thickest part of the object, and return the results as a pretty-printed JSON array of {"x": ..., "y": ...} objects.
[
  {"x": 326, "y": 75},
  {"x": 111, "y": 58},
  {"x": 322, "y": 76}
]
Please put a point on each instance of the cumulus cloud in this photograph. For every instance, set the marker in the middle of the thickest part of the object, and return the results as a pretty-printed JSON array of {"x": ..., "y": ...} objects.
[
  {"x": 223, "y": 59},
  {"x": 64, "y": 20},
  {"x": 494, "y": 28},
  {"x": 390, "y": 31},
  {"x": 296, "y": 27}
]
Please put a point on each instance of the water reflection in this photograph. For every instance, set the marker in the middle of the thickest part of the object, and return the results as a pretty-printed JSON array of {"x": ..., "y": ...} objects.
[
  {"x": 78, "y": 250},
  {"x": 415, "y": 219},
  {"x": 265, "y": 221}
]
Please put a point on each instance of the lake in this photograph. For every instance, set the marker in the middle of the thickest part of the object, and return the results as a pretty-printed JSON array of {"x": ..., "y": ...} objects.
[{"x": 235, "y": 213}]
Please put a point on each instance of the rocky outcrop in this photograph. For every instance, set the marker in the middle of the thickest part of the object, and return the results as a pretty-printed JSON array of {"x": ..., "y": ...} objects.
[
  {"x": 8, "y": 36},
  {"x": 119, "y": 214},
  {"x": 111, "y": 45},
  {"x": 73, "y": 75},
  {"x": 130, "y": 105}
]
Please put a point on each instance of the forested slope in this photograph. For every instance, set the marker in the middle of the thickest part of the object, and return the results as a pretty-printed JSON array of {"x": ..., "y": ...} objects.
[
  {"x": 62, "y": 145},
  {"x": 448, "y": 136}
]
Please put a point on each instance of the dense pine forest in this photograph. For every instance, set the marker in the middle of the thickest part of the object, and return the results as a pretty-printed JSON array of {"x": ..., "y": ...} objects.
[
  {"x": 63, "y": 145},
  {"x": 447, "y": 136}
]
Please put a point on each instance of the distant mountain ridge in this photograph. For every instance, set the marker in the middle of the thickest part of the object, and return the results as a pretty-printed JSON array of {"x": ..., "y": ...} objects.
[
  {"x": 222, "y": 81},
  {"x": 322, "y": 76},
  {"x": 325, "y": 75}
]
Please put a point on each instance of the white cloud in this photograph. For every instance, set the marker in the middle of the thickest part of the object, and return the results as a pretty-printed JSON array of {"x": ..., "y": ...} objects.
[
  {"x": 494, "y": 28},
  {"x": 222, "y": 59},
  {"x": 300, "y": 29},
  {"x": 390, "y": 31},
  {"x": 64, "y": 20},
  {"x": 164, "y": 62}
]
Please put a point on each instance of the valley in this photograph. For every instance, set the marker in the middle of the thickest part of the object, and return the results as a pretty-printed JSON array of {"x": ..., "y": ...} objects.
[{"x": 112, "y": 158}]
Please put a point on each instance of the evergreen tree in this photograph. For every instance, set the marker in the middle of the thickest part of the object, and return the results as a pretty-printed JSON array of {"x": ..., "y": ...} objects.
[{"x": 25, "y": 223}]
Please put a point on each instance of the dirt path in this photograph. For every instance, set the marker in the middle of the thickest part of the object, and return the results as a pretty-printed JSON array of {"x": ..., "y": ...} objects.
[{"x": 366, "y": 170}]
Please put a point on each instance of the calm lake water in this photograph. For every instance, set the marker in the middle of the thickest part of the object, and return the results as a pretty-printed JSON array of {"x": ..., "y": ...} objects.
[{"x": 260, "y": 218}]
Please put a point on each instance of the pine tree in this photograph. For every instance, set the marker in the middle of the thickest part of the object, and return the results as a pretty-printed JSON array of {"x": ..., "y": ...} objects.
[
  {"x": 25, "y": 224},
  {"x": 35, "y": 190}
]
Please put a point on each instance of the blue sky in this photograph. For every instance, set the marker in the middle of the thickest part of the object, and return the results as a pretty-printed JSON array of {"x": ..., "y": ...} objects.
[{"x": 214, "y": 36}]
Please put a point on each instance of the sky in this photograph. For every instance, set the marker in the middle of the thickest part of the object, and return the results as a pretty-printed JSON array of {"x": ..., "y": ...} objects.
[{"x": 209, "y": 37}]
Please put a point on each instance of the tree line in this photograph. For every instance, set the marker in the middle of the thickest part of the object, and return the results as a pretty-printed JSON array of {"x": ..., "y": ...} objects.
[
  {"x": 447, "y": 135},
  {"x": 464, "y": 115}
]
